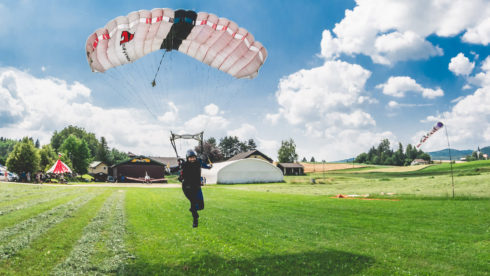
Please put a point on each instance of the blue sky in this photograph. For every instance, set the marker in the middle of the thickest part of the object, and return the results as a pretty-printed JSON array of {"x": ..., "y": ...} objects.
[{"x": 339, "y": 77}]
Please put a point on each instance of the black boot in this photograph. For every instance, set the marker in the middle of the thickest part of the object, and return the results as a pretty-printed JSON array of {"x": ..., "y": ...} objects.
[{"x": 195, "y": 223}]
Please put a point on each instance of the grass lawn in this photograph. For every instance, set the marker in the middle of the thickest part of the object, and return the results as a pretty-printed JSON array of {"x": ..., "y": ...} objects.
[{"x": 291, "y": 228}]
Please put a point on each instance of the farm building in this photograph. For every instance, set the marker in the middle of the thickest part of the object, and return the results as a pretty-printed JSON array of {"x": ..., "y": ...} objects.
[
  {"x": 419, "y": 162},
  {"x": 291, "y": 168},
  {"x": 251, "y": 154},
  {"x": 138, "y": 167},
  {"x": 250, "y": 170}
]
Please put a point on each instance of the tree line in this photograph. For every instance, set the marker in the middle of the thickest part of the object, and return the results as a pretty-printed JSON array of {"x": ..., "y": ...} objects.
[
  {"x": 384, "y": 155},
  {"x": 73, "y": 145}
]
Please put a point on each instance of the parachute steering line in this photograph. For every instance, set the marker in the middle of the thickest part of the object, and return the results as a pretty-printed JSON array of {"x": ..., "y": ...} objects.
[{"x": 154, "y": 83}]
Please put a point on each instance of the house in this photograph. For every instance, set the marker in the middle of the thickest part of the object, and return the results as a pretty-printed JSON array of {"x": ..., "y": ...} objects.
[
  {"x": 98, "y": 167},
  {"x": 248, "y": 170},
  {"x": 291, "y": 168},
  {"x": 419, "y": 162},
  {"x": 251, "y": 154},
  {"x": 138, "y": 167}
]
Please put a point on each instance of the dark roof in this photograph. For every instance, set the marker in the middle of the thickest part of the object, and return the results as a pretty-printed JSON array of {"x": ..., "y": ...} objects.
[
  {"x": 290, "y": 165},
  {"x": 170, "y": 161},
  {"x": 141, "y": 157},
  {"x": 247, "y": 154}
]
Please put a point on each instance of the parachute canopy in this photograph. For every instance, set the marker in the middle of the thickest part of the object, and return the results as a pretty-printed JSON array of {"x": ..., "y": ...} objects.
[
  {"x": 424, "y": 138},
  {"x": 218, "y": 42}
]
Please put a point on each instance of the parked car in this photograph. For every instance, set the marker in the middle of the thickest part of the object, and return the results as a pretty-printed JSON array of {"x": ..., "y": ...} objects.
[{"x": 13, "y": 177}]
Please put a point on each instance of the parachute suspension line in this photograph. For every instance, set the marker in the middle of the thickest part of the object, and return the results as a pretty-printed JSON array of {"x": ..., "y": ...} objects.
[
  {"x": 133, "y": 90},
  {"x": 153, "y": 83}
]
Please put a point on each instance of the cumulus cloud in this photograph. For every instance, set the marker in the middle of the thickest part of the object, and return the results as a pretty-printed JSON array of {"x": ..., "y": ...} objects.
[
  {"x": 244, "y": 132},
  {"x": 461, "y": 65},
  {"x": 399, "y": 86},
  {"x": 323, "y": 96},
  {"x": 170, "y": 116},
  {"x": 480, "y": 34},
  {"x": 467, "y": 122},
  {"x": 391, "y": 31},
  {"x": 210, "y": 121},
  {"x": 482, "y": 79},
  {"x": 39, "y": 106}
]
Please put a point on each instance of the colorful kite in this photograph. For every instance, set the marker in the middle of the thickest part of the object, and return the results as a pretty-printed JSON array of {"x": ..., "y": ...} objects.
[{"x": 424, "y": 138}]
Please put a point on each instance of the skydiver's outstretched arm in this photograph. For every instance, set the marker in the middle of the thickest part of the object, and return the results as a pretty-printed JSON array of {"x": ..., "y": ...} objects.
[{"x": 204, "y": 164}]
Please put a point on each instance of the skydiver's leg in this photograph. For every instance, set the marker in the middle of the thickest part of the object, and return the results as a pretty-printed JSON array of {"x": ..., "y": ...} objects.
[
  {"x": 200, "y": 200},
  {"x": 191, "y": 196}
]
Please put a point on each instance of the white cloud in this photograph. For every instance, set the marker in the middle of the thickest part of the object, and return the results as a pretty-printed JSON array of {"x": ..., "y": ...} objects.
[
  {"x": 393, "y": 104},
  {"x": 479, "y": 34},
  {"x": 43, "y": 68},
  {"x": 272, "y": 118},
  {"x": 317, "y": 97},
  {"x": 461, "y": 65},
  {"x": 482, "y": 79},
  {"x": 244, "y": 132},
  {"x": 399, "y": 86},
  {"x": 467, "y": 123},
  {"x": 210, "y": 121},
  {"x": 211, "y": 109},
  {"x": 171, "y": 116},
  {"x": 391, "y": 31},
  {"x": 38, "y": 106}
]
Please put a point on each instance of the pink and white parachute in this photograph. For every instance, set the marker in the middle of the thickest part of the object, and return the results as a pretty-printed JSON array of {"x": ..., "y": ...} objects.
[
  {"x": 214, "y": 40},
  {"x": 424, "y": 138}
]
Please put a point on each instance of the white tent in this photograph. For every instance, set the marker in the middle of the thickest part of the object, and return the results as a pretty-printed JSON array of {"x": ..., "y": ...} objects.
[{"x": 249, "y": 170}]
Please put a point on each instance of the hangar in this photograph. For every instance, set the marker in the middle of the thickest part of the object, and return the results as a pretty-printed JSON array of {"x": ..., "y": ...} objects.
[
  {"x": 138, "y": 167},
  {"x": 250, "y": 170}
]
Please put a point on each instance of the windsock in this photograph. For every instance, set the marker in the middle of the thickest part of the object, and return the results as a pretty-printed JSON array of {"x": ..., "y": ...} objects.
[{"x": 424, "y": 138}]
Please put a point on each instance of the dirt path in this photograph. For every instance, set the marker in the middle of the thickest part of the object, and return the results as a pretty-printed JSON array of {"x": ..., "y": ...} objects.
[
  {"x": 319, "y": 167},
  {"x": 118, "y": 185}
]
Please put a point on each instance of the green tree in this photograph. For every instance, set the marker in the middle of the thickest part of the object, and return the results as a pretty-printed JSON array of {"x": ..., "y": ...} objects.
[
  {"x": 6, "y": 147},
  {"x": 102, "y": 153},
  {"x": 312, "y": 159},
  {"x": 287, "y": 152},
  {"x": 210, "y": 151},
  {"x": 58, "y": 138},
  {"x": 229, "y": 146},
  {"x": 37, "y": 144},
  {"x": 117, "y": 156},
  {"x": 78, "y": 152},
  {"x": 362, "y": 158},
  {"x": 47, "y": 157},
  {"x": 304, "y": 159},
  {"x": 251, "y": 144},
  {"x": 24, "y": 157}
]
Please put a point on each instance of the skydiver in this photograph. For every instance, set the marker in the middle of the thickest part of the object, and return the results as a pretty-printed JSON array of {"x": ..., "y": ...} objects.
[{"x": 190, "y": 176}]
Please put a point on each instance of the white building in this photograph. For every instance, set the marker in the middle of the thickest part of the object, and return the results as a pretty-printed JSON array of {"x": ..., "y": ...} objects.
[{"x": 249, "y": 170}]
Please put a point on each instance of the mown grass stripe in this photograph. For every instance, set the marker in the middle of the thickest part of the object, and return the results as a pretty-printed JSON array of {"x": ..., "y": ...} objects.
[
  {"x": 14, "y": 238},
  {"x": 107, "y": 228},
  {"x": 39, "y": 200}
]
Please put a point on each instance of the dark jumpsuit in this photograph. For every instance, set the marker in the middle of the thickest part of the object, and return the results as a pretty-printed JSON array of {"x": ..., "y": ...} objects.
[{"x": 191, "y": 185}]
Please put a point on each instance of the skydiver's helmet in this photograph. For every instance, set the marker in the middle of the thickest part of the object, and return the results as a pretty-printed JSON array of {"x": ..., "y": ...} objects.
[{"x": 190, "y": 153}]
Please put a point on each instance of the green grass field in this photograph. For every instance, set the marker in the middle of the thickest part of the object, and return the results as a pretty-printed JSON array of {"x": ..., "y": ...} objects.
[{"x": 292, "y": 228}]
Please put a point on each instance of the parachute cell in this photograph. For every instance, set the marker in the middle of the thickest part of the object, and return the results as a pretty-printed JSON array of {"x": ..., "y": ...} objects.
[{"x": 215, "y": 41}]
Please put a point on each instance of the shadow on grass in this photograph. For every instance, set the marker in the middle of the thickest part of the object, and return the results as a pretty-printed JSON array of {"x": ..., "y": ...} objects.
[{"x": 330, "y": 262}]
